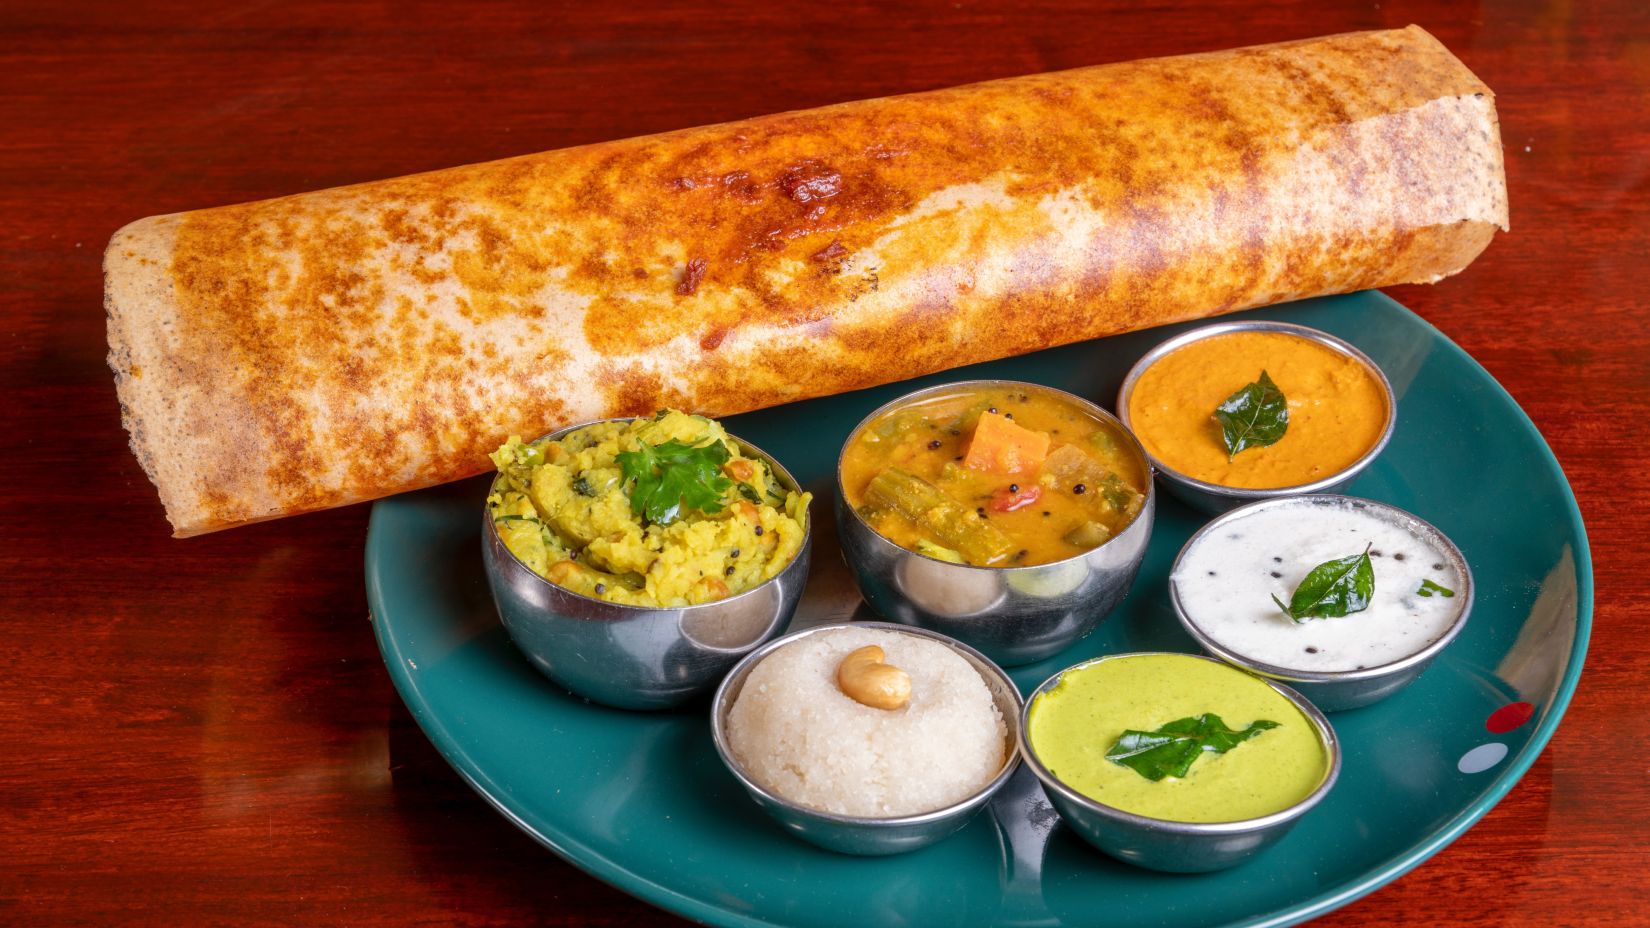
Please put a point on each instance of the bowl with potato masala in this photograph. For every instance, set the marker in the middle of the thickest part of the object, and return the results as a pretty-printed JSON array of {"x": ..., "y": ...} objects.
[
  {"x": 634, "y": 561},
  {"x": 1008, "y": 515}
]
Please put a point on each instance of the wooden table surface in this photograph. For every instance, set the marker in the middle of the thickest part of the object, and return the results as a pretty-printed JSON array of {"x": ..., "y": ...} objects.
[{"x": 202, "y": 731}]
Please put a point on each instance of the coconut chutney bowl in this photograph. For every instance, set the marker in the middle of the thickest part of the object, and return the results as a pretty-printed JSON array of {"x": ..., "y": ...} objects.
[
  {"x": 1380, "y": 651},
  {"x": 638, "y": 657},
  {"x": 870, "y": 836},
  {"x": 1213, "y": 498},
  {"x": 1162, "y": 843},
  {"x": 1013, "y": 614}
]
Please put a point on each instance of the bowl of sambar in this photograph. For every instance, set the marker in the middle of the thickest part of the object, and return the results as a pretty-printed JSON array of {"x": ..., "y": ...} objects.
[{"x": 1008, "y": 515}]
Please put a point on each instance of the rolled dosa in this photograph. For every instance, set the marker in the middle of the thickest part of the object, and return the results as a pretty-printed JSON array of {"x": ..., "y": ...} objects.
[{"x": 315, "y": 350}]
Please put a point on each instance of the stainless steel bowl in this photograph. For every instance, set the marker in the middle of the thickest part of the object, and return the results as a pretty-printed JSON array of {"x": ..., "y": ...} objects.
[
  {"x": 1016, "y": 615},
  {"x": 1176, "y": 847},
  {"x": 1338, "y": 690},
  {"x": 637, "y": 657},
  {"x": 1214, "y": 498},
  {"x": 871, "y": 836}
]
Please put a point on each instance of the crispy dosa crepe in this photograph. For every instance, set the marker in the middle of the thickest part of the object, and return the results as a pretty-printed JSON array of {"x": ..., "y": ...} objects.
[{"x": 322, "y": 349}]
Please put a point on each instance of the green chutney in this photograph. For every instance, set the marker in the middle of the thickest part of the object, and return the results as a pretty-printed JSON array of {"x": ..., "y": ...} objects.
[{"x": 1073, "y": 725}]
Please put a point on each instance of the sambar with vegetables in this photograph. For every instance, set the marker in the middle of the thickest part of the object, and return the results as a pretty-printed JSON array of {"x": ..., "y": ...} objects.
[{"x": 1000, "y": 475}]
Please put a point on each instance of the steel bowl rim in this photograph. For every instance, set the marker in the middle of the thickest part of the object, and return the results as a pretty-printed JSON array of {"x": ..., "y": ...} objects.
[
  {"x": 1340, "y": 345},
  {"x": 785, "y": 478},
  {"x": 1391, "y": 668},
  {"x": 1011, "y": 752},
  {"x": 1090, "y": 406},
  {"x": 1326, "y": 738}
]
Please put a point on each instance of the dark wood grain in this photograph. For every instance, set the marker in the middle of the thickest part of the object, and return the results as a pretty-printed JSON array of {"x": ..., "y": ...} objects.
[{"x": 201, "y": 731}]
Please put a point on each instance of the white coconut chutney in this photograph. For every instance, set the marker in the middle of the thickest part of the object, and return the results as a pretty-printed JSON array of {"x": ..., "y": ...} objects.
[{"x": 1226, "y": 580}]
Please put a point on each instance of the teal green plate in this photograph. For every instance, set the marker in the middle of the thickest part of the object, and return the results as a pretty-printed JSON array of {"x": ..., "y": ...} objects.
[{"x": 641, "y": 801}]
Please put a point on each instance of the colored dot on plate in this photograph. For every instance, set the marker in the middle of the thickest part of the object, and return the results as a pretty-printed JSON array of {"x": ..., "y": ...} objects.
[
  {"x": 1509, "y": 717},
  {"x": 1482, "y": 758}
]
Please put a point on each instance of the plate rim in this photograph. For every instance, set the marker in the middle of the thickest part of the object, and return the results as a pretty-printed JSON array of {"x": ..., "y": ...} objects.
[{"x": 609, "y": 871}]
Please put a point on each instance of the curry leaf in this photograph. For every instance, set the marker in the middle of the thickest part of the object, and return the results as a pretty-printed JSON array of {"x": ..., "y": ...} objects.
[
  {"x": 1332, "y": 589},
  {"x": 1253, "y": 417},
  {"x": 667, "y": 481},
  {"x": 1428, "y": 588},
  {"x": 1171, "y": 750}
]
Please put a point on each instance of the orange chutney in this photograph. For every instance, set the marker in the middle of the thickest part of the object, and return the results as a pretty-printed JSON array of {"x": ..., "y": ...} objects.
[
  {"x": 1337, "y": 409},
  {"x": 1006, "y": 476}
]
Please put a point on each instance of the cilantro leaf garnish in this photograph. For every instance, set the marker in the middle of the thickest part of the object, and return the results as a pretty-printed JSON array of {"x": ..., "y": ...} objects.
[
  {"x": 1171, "y": 750},
  {"x": 666, "y": 481}
]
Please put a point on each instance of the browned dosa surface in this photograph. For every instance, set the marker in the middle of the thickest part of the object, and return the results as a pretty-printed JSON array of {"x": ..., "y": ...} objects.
[{"x": 316, "y": 350}]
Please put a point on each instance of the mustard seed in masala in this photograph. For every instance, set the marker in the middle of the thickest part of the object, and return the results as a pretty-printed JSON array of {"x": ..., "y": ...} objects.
[{"x": 667, "y": 511}]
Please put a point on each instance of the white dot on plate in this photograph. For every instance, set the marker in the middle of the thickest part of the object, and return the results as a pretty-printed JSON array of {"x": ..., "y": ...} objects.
[{"x": 1482, "y": 758}]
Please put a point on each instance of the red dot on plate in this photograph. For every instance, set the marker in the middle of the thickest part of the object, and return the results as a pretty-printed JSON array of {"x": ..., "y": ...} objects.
[{"x": 1509, "y": 717}]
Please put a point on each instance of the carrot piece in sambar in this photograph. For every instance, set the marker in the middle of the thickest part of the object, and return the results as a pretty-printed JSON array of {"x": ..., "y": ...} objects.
[{"x": 1000, "y": 446}]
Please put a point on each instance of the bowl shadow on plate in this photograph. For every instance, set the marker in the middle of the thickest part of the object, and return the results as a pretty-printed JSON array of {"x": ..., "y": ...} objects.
[
  {"x": 1145, "y": 619},
  {"x": 1041, "y": 854},
  {"x": 829, "y": 595},
  {"x": 452, "y": 574}
]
